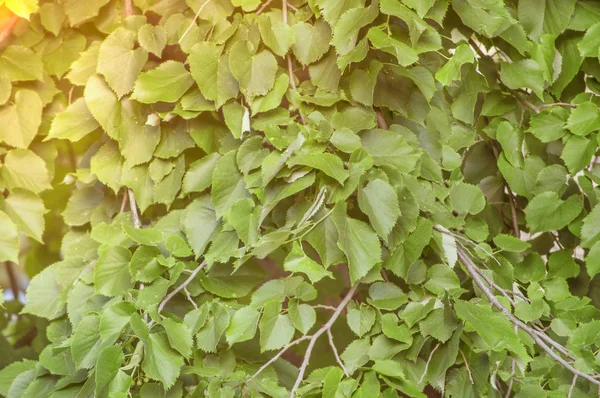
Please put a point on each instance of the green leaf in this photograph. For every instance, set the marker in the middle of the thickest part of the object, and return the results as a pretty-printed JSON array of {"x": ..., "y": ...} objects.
[
  {"x": 361, "y": 319},
  {"x": 545, "y": 16},
  {"x": 9, "y": 239},
  {"x": 178, "y": 246},
  {"x": 73, "y": 123},
  {"x": 273, "y": 98},
  {"x": 180, "y": 337},
  {"x": 86, "y": 344},
  {"x": 548, "y": 212},
  {"x": 345, "y": 31},
  {"x": 199, "y": 174},
  {"x": 24, "y": 169},
  {"x": 254, "y": 72},
  {"x": 379, "y": 201},
  {"x": 510, "y": 243},
  {"x": 325, "y": 74},
  {"x": 466, "y": 198},
  {"x": 209, "y": 335},
  {"x": 20, "y": 63},
  {"x": 331, "y": 382},
  {"x": 144, "y": 266},
  {"x": 592, "y": 260},
  {"x": 390, "y": 149},
  {"x": 79, "y": 12},
  {"x": 107, "y": 366},
  {"x": 244, "y": 218},
  {"x": 104, "y": 105},
  {"x": 152, "y": 38},
  {"x": 298, "y": 261},
  {"x": 200, "y": 223},
  {"x": 243, "y": 325},
  {"x": 404, "y": 53},
  {"x": 166, "y": 83},
  {"x": 525, "y": 73},
  {"x": 211, "y": 71},
  {"x": 303, "y": 316},
  {"x": 45, "y": 295},
  {"x": 312, "y": 41},
  {"x": 549, "y": 125},
  {"x": 386, "y": 295},
  {"x": 21, "y": 120},
  {"x": 584, "y": 119},
  {"x": 278, "y": 36},
  {"x": 452, "y": 69},
  {"x": 328, "y": 163},
  {"x": 161, "y": 362},
  {"x": 359, "y": 243},
  {"x": 119, "y": 62},
  {"x": 111, "y": 272},
  {"x": 228, "y": 185},
  {"x": 493, "y": 327},
  {"x": 27, "y": 211},
  {"x": 276, "y": 330}
]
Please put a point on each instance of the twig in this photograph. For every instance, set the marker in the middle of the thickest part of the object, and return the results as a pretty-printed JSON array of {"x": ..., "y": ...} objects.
[
  {"x": 326, "y": 307},
  {"x": 572, "y": 386},
  {"x": 335, "y": 352},
  {"x": 8, "y": 28},
  {"x": 314, "y": 337},
  {"x": 565, "y": 104},
  {"x": 189, "y": 297},
  {"x": 467, "y": 366},
  {"x": 381, "y": 123},
  {"x": 123, "y": 202},
  {"x": 14, "y": 282},
  {"x": 262, "y": 8},
  {"x": 470, "y": 268},
  {"x": 128, "y": 8},
  {"x": 193, "y": 21},
  {"x": 428, "y": 361},
  {"x": 279, "y": 354},
  {"x": 134, "y": 211},
  {"x": 180, "y": 287}
]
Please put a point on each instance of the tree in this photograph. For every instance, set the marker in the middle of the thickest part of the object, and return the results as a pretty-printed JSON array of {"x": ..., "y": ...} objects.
[{"x": 337, "y": 198}]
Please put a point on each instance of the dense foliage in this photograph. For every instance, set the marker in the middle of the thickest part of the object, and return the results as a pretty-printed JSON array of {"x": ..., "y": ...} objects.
[{"x": 337, "y": 198}]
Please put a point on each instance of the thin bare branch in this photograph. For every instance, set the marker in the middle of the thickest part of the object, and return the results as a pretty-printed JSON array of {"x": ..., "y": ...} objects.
[
  {"x": 314, "y": 337},
  {"x": 279, "y": 354},
  {"x": 565, "y": 104},
  {"x": 123, "y": 202},
  {"x": 428, "y": 361},
  {"x": 181, "y": 287},
  {"x": 467, "y": 366},
  {"x": 134, "y": 210},
  {"x": 13, "y": 280},
  {"x": 572, "y": 386},
  {"x": 470, "y": 268},
  {"x": 381, "y": 123},
  {"x": 263, "y": 7},
  {"x": 8, "y": 28},
  {"x": 193, "y": 21},
  {"x": 290, "y": 65},
  {"x": 128, "y": 8},
  {"x": 335, "y": 352}
]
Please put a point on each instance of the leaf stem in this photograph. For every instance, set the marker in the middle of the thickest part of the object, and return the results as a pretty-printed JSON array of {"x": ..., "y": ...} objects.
[
  {"x": 193, "y": 21},
  {"x": 134, "y": 210},
  {"x": 128, "y": 8}
]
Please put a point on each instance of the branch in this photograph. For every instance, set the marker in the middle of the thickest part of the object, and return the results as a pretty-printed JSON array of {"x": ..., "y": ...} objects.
[
  {"x": 467, "y": 366},
  {"x": 262, "y": 8},
  {"x": 471, "y": 269},
  {"x": 8, "y": 28},
  {"x": 381, "y": 123},
  {"x": 128, "y": 8},
  {"x": 335, "y": 352},
  {"x": 181, "y": 287},
  {"x": 428, "y": 361},
  {"x": 134, "y": 211},
  {"x": 565, "y": 104},
  {"x": 279, "y": 354},
  {"x": 14, "y": 282},
  {"x": 193, "y": 21},
  {"x": 313, "y": 339}
]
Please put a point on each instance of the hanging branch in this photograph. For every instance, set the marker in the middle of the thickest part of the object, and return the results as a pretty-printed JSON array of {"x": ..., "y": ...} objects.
[
  {"x": 8, "y": 28},
  {"x": 471, "y": 269},
  {"x": 314, "y": 337}
]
